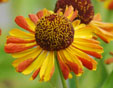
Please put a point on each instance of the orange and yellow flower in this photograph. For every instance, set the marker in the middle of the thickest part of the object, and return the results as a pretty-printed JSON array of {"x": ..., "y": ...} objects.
[
  {"x": 47, "y": 33},
  {"x": 1, "y": 1},
  {"x": 101, "y": 29},
  {"x": 108, "y": 4}
]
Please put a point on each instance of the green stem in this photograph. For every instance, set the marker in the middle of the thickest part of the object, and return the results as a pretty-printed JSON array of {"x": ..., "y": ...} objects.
[
  {"x": 61, "y": 75},
  {"x": 76, "y": 82}
]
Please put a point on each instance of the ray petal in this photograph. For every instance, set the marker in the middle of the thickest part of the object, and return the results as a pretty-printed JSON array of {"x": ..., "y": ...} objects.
[
  {"x": 85, "y": 59},
  {"x": 12, "y": 39},
  {"x": 64, "y": 68},
  {"x": 14, "y": 48},
  {"x": 34, "y": 18},
  {"x": 72, "y": 61},
  {"x": 25, "y": 55},
  {"x": 21, "y": 34},
  {"x": 36, "y": 64},
  {"x": 21, "y": 21},
  {"x": 47, "y": 67}
]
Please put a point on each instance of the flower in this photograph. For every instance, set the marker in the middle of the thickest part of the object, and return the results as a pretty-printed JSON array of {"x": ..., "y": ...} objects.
[
  {"x": 84, "y": 7},
  {"x": 108, "y": 4},
  {"x": 101, "y": 29},
  {"x": 3, "y": 1},
  {"x": 49, "y": 33},
  {"x": 109, "y": 60}
]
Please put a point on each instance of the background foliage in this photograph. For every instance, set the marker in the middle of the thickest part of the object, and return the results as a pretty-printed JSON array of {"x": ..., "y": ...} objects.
[{"x": 9, "y": 78}]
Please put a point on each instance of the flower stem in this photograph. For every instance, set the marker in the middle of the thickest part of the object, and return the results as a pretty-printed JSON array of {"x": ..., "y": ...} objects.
[
  {"x": 76, "y": 82},
  {"x": 61, "y": 75}
]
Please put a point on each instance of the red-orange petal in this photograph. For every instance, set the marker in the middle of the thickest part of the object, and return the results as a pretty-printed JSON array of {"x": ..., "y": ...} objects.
[
  {"x": 64, "y": 68},
  {"x": 40, "y": 14},
  {"x": 74, "y": 67},
  {"x": 35, "y": 74},
  {"x": 14, "y": 48},
  {"x": 52, "y": 71},
  {"x": 11, "y": 39},
  {"x": 94, "y": 54},
  {"x": 23, "y": 65},
  {"x": 20, "y": 20},
  {"x": 74, "y": 15},
  {"x": 34, "y": 18},
  {"x": 103, "y": 38},
  {"x": 88, "y": 64}
]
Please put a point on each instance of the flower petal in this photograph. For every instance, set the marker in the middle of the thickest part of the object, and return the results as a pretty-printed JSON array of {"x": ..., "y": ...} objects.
[
  {"x": 14, "y": 48},
  {"x": 87, "y": 40},
  {"x": 21, "y": 21},
  {"x": 91, "y": 65},
  {"x": 35, "y": 74},
  {"x": 23, "y": 65},
  {"x": 36, "y": 64},
  {"x": 31, "y": 24},
  {"x": 92, "y": 53},
  {"x": 47, "y": 67},
  {"x": 76, "y": 23},
  {"x": 88, "y": 46},
  {"x": 72, "y": 61},
  {"x": 97, "y": 17},
  {"x": 104, "y": 35},
  {"x": 26, "y": 52},
  {"x": 105, "y": 26},
  {"x": 83, "y": 32},
  {"x": 25, "y": 55},
  {"x": 69, "y": 11},
  {"x": 21, "y": 34},
  {"x": 34, "y": 18},
  {"x": 74, "y": 15},
  {"x": 42, "y": 13},
  {"x": 63, "y": 66},
  {"x": 83, "y": 57},
  {"x": 12, "y": 39}
]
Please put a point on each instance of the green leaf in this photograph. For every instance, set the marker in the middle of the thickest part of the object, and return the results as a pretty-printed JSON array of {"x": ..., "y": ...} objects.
[{"x": 109, "y": 81}]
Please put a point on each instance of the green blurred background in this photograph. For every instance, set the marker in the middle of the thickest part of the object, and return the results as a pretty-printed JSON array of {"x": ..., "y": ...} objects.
[{"x": 9, "y": 78}]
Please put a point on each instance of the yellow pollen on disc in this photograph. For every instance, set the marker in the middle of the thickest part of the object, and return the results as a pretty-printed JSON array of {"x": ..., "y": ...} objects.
[{"x": 54, "y": 32}]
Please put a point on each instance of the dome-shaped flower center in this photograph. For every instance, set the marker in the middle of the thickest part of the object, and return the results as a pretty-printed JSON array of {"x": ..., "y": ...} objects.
[{"x": 54, "y": 32}]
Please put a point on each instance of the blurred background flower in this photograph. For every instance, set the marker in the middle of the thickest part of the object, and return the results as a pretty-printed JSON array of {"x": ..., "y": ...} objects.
[
  {"x": 101, "y": 78},
  {"x": 108, "y": 4},
  {"x": 109, "y": 60},
  {"x": 1, "y": 1}
]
